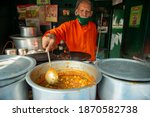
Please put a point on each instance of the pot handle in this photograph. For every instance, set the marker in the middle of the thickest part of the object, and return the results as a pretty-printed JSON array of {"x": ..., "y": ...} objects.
[
  {"x": 97, "y": 62},
  {"x": 12, "y": 43},
  {"x": 138, "y": 59},
  {"x": 141, "y": 60}
]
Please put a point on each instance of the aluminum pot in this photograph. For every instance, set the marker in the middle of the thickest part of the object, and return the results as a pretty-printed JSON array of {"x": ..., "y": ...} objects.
[
  {"x": 11, "y": 51},
  {"x": 15, "y": 91},
  {"x": 30, "y": 43},
  {"x": 43, "y": 93},
  {"x": 11, "y": 80},
  {"x": 124, "y": 79},
  {"x": 14, "y": 67},
  {"x": 28, "y": 31}
]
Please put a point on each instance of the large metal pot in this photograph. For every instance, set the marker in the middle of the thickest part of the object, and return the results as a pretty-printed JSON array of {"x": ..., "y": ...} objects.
[
  {"x": 42, "y": 93},
  {"x": 15, "y": 91},
  {"x": 30, "y": 43},
  {"x": 13, "y": 69},
  {"x": 124, "y": 79}
]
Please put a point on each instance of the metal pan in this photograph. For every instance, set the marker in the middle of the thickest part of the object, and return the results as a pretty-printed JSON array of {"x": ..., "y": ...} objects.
[
  {"x": 42, "y": 57},
  {"x": 80, "y": 56}
]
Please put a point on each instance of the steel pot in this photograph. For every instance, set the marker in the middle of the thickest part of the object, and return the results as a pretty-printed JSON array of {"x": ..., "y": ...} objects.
[
  {"x": 11, "y": 80},
  {"x": 11, "y": 51},
  {"x": 30, "y": 43},
  {"x": 15, "y": 91},
  {"x": 124, "y": 79},
  {"x": 42, "y": 93},
  {"x": 12, "y": 76},
  {"x": 28, "y": 31}
]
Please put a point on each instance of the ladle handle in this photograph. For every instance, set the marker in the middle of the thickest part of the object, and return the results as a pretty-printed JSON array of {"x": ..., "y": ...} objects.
[{"x": 49, "y": 59}]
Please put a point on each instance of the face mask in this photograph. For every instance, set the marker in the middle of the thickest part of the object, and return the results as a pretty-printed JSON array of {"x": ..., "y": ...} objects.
[{"x": 83, "y": 21}]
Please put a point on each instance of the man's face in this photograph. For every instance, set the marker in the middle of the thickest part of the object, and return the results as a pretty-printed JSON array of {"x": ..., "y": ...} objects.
[{"x": 84, "y": 10}]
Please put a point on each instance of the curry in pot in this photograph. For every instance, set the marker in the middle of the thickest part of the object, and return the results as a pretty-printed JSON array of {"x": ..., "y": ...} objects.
[{"x": 68, "y": 79}]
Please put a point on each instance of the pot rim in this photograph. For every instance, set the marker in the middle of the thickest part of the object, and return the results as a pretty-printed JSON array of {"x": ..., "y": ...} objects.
[
  {"x": 125, "y": 81},
  {"x": 19, "y": 37}
]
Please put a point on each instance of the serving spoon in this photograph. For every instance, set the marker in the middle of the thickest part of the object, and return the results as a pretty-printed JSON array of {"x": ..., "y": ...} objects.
[{"x": 51, "y": 75}]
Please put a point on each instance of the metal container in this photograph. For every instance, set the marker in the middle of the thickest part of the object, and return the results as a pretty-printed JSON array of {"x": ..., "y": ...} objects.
[
  {"x": 30, "y": 43},
  {"x": 28, "y": 31},
  {"x": 22, "y": 51},
  {"x": 11, "y": 51},
  {"x": 14, "y": 67},
  {"x": 114, "y": 89},
  {"x": 11, "y": 80},
  {"x": 43, "y": 93},
  {"x": 124, "y": 79},
  {"x": 15, "y": 91}
]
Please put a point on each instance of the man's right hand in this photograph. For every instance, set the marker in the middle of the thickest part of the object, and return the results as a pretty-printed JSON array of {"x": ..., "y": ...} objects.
[{"x": 48, "y": 42}]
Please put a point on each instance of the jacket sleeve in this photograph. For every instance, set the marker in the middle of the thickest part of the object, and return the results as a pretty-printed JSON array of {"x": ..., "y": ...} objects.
[{"x": 59, "y": 32}]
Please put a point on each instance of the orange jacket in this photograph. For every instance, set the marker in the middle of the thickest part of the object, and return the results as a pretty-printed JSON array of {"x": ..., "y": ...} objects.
[{"x": 78, "y": 38}]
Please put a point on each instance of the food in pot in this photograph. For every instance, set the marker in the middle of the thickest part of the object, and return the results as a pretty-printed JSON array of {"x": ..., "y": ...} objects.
[{"x": 68, "y": 78}]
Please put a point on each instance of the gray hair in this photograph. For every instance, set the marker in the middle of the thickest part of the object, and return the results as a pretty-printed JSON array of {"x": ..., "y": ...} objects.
[{"x": 81, "y": 1}]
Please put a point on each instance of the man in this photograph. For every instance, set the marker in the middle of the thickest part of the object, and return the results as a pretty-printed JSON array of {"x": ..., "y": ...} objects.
[{"x": 80, "y": 34}]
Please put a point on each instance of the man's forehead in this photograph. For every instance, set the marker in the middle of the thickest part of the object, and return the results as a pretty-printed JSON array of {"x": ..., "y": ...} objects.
[{"x": 84, "y": 5}]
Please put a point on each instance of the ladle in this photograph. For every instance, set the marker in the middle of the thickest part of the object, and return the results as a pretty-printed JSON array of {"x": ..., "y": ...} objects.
[{"x": 51, "y": 75}]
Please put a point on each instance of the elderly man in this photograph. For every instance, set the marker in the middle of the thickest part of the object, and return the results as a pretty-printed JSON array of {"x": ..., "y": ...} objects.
[{"x": 80, "y": 34}]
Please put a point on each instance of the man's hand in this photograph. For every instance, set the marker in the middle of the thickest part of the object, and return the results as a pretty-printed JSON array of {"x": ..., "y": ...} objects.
[{"x": 48, "y": 42}]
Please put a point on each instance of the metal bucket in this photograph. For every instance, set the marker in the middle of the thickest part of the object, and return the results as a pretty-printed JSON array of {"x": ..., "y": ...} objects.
[{"x": 43, "y": 93}]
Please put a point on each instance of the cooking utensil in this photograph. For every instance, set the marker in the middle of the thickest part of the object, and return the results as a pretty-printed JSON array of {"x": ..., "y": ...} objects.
[
  {"x": 114, "y": 89},
  {"x": 124, "y": 79},
  {"x": 28, "y": 31},
  {"x": 17, "y": 90},
  {"x": 39, "y": 57},
  {"x": 14, "y": 68},
  {"x": 43, "y": 93},
  {"x": 80, "y": 56},
  {"x": 30, "y": 43},
  {"x": 11, "y": 51},
  {"x": 51, "y": 75}
]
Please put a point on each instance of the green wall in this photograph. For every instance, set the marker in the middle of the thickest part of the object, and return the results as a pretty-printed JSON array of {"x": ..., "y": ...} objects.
[{"x": 133, "y": 40}]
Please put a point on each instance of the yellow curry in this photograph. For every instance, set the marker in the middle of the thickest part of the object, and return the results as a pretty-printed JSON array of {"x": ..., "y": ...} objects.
[{"x": 68, "y": 79}]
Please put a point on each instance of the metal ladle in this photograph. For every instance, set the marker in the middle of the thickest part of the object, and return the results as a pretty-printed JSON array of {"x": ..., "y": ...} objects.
[{"x": 51, "y": 75}]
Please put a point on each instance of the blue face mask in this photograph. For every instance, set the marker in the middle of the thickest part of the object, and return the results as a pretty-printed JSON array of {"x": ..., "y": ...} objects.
[{"x": 83, "y": 21}]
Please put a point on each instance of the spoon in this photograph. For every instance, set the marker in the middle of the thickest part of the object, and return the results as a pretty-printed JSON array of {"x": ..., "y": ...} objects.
[{"x": 51, "y": 75}]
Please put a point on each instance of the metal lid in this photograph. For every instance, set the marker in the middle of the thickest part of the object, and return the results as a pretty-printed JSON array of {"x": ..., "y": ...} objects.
[
  {"x": 15, "y": 65},
  {"x": 125, "y": 69}
]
